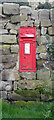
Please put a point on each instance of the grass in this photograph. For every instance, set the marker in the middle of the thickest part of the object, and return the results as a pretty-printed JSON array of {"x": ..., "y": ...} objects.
[{"x": 30, "y": 110}]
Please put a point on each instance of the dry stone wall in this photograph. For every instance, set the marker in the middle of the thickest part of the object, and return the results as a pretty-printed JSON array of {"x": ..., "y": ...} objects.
[{"x": 12, "y": 16}]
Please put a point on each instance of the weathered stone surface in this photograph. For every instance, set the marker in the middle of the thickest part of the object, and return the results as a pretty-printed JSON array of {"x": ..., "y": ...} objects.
[
  {"x": 52, "y": 21},
  {"x": 43, "y": 14},
  {"x": 36, "y": 24},
  {"x": 43, "y": 74},
  {"x": 43, "y": 30},
  {"x": 49, "y": 65},
  {"x": 15, "y": 85},
  {"x": 9, "y": 58},
  {"x": 51, "y": 30},
  {"x": 8, "y": 88},
  {"x": 44, "y": 97},
  {"x": 40, "y": 63},
  {"x": 42, "y": 40},
  {"x": 44, "y": 55},
  {"x": 3, "y": 21},
  {"x": 16, "y": 97},
  {"x": 12, "y": 26},
  {"x": 52, "y": 75},
  {"x": 1, "y": 8},
  {"x": 3, "y": 31},
  {"x": 14, "y": 32},
  {"x": 14, "y": 48},
  {"x": 15, "y": 19},
  {"x": 10, "y": 75},
  {"x": 35, "y": 14},
  {"x": 11, "y": 8},
  {"x": 27, "y": 23},
  {"x": 5, "y": 86},
  {"x": 0, "y": 76},
  {"x": 41, "y": 49},
  {"x": 8, "y": 39},
  {"x": 53, "y": 4},
  {"x": 25, "y": 10},
  {"x": 9, "y": 65},
  {"x": 32, "y": 84},
  {"x": 23, "y": 17},
  {"x": 4, "y": 95},
  {"x": 5, "y": 49},
  {"x": 52, "y": 14},
  {"x": 53, "y": 39},
  {"x": 26, "y": 75},
  {"x": 46, "y": 23},
  {"x": 1, "y": 67},
  {"x": 37, "y": 32}
]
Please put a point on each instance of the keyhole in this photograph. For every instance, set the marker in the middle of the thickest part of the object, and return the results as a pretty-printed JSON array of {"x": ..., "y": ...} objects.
[{"x": 24, "y": 57}]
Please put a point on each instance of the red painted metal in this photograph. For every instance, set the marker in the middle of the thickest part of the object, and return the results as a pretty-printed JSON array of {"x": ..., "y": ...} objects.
[{"x": 27, "y": 49}]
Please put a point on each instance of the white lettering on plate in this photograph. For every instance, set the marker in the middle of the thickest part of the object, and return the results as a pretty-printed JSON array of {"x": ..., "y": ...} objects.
[
  {"x": 27, "y": 48},
  {"x": 29, "y": 35}
]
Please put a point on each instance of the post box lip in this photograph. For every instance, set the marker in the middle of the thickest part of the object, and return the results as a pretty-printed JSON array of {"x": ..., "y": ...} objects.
[{"x": 25, "y": 34}]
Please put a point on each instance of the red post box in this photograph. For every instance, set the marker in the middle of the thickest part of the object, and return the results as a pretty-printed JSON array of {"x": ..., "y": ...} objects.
[{"x": 27, "y": 49}]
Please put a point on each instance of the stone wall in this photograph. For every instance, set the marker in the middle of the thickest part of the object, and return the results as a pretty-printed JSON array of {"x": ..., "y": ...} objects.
[{"x": 12, "y": 16}]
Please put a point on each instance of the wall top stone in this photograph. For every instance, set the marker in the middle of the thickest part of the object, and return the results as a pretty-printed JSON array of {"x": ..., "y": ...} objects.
[
  {"x": 25, "y": 9},
  {"x": 11, "y": 8}
]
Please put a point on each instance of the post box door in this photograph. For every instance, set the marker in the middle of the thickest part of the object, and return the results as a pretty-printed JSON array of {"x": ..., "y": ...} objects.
[
  {"x": 27, "y": 56},
  {"x": 27, "y": 49}
]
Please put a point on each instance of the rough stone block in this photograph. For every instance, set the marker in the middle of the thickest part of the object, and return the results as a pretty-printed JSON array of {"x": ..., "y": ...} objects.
[
  {"x": 35, "y": 14},
  {"x": 25, "y": 10},
  {"x": 51, "y": 30},
  {"x": 43, "y": 14},
  {"x": 44, "y": 55},
  {"x": 15, "y": 19},
  {"x": 1, "y": 9},
  {"x": 40, "y": 63},
  {"x": 27, "y": 23},
  {"x": 1, "y": 67},
  {"x": 11, "y": 8},
  {"x": 14, "y": 48},
  {"x": 41, "y": 49},
  {"x": 8, "y": 39},
  {"x": 33, "y": 84},
  {"x": 52, "y": 75},
  {"x": 36, "y": 23},
  {"x": 3, "y": 94},
  {"x": 37, "y": 32},
  {"x": 28, "y": 75},
  {"x": 52, "y": 14},
  {"x": 43, "y": 74},
  {"x": 9, "y": 65},
  {"x": 5, "y": 86},
  {"x": 9, "y": 58},
  {"x": 42, "y": 40},
  {"x": 12, "y": 26},
  {"x": 53, "y": 39},
  {"x": 53, "y": 4},
  {"x": 14, "y": 32},
  {"x": 43, "y": 30},
  {"x": 5, "y": 49},
  {"x": 23, "y": 17},
  {"x": 52, "y": 21},
  {"x": 3, "y": 31},
  {"x": 46, "y": 23},
  {"x": 0, "y": 76},
  {"x": 10, "y": 75}
]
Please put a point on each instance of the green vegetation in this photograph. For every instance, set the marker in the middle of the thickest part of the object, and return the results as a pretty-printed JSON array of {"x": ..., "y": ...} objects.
[
  {"x": 35, "y": 93},
  {"x": 30, "y": 109},
  {"x": 45, "y": 5}
]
